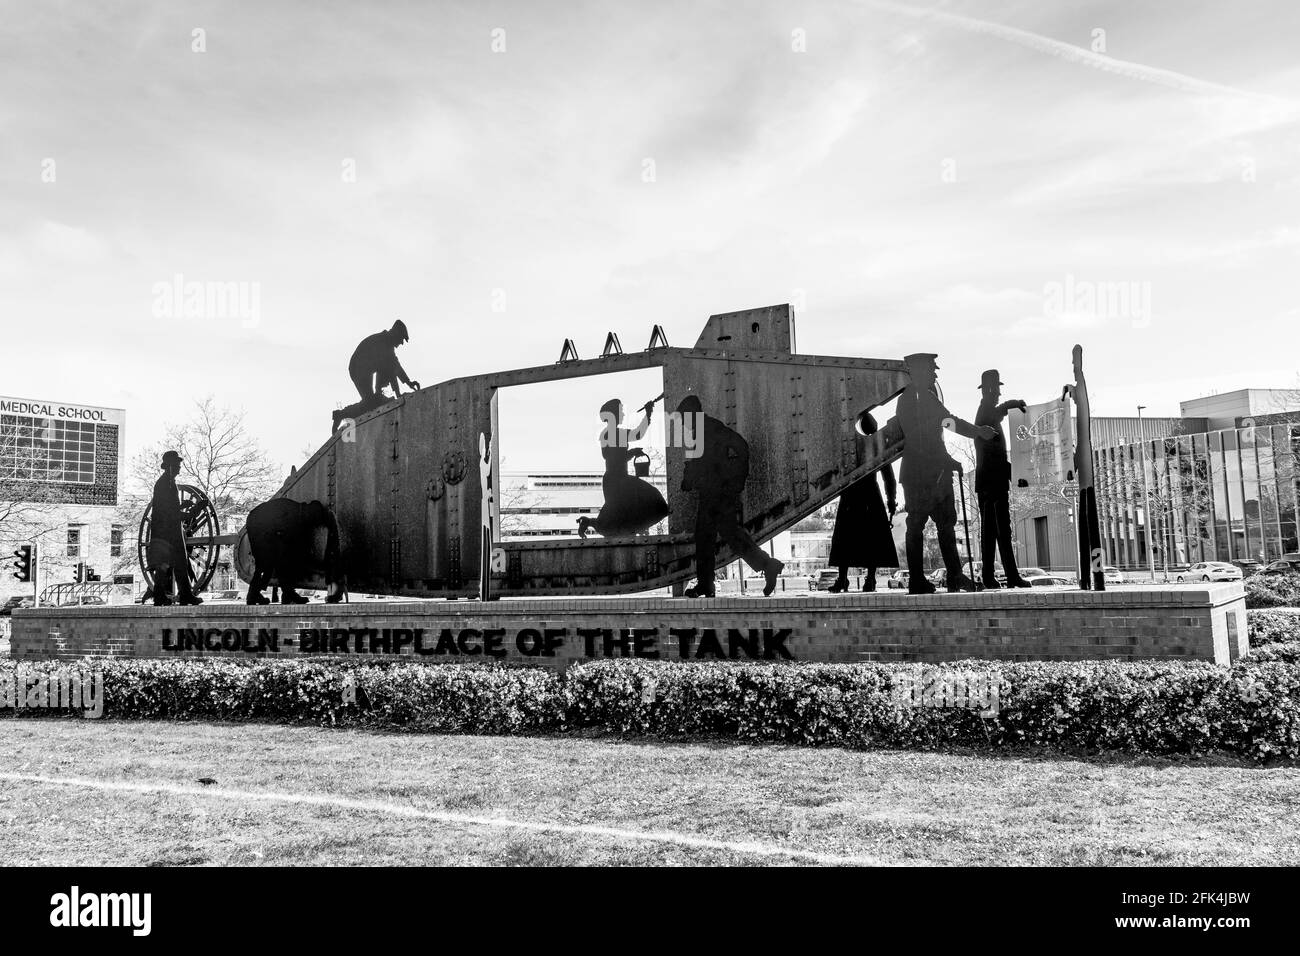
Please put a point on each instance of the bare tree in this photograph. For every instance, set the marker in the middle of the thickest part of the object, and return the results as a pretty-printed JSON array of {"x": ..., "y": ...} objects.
[
  {"x": 219, "y": 456},
  {"x": 514, "y": 500},
  {"x": 1182, "y": 501},
  {"x": 26, "y": 517},
  {"x": 27, "y": 511},
  {"x": 823, "y": 519},
  {"x": 658, "y": 468}
]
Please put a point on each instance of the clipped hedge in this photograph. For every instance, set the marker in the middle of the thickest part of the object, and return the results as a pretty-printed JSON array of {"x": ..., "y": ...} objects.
[
  {"x": 1272, "y": 590},
  {"x": 1281, "y": 651},
  {"x": 1273, "y": 627},
  {"x": 1252, "y": 709},
  {"x": 1151, "y": 708},
  {"x": 449, "y": 699}
]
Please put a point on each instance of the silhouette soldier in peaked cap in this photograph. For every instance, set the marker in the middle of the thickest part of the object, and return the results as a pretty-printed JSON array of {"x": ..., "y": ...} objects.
[
  {"x": 926, "y": 472},
  {"x": 374, "y": 367}
]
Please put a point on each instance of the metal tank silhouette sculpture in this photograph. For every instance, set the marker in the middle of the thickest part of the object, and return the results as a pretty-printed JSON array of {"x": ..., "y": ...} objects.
[{"x": 403, "y": 480}]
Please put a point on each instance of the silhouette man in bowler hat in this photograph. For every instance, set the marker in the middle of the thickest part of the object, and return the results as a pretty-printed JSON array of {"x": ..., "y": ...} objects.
[
  {"x": 993, "y": 483},
  {"x": 166, "y": 551}
]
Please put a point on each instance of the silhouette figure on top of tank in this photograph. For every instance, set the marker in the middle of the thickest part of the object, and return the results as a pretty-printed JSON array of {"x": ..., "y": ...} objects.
[
  {"x": 993, "y": 483},
  {"x": 166, "y": 553},
  {"x": 718, "y": 477},
  {"x": 927, "y": 470},
  {"x": 374, "y": 367},
  {"x": 632, "y": 505}
]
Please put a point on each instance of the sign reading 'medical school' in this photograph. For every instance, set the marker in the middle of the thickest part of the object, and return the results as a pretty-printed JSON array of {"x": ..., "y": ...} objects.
[
  {"x": 684, "y": 643},
  {"x": 39, "y": 409}
]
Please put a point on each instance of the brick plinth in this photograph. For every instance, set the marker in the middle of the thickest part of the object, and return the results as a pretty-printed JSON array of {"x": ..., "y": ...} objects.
[{"x": 1205, "y": 622}]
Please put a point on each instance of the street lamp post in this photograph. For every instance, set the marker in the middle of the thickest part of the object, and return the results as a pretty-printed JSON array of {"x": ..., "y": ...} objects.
[{"x": 1146, "y": 500}]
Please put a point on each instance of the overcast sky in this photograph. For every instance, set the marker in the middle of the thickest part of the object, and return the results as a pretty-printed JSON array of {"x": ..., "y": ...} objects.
[{"x": 942, "y": 177}]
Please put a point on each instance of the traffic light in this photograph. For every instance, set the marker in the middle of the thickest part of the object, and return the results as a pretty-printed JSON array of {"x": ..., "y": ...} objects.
[
  {"x": 79, "y": 576},
  {"x": 91, "y": 575},
  {"x": 23, "y": 564}
]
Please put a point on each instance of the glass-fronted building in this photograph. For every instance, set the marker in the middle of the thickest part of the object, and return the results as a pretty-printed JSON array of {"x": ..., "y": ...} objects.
[
  {"x": 1223, "y": 495},
  {"x": 1219, "y": 483}
]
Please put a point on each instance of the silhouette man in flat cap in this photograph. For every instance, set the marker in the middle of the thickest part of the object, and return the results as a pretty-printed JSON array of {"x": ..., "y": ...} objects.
[
  {"x": 993, "y": 483},
  {"x": 374, "y": 367},
  {"x": 718, "y": 476},
  {"x": 167, "y": 555},
  {"x": 926, "y": 473}
]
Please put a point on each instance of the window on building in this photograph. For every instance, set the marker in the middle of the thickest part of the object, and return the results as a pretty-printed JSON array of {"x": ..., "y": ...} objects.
[
  {"x": 74, "y": 540},
  {"x": 115, "y": 541},
  {"x": 1042, "y": 542},
  {"x": 1284, "y": 465},
  {"x": 46, "y": 449}
]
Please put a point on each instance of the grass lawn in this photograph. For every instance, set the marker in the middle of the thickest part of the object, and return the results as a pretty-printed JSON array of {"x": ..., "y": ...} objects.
[{"x": 309, "y": 795}]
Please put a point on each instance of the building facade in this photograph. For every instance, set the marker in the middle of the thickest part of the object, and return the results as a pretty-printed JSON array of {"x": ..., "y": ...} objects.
[
  {"x": 60, "y": 468},
  {"x": 548, "y": 505},
  {"x": 1218, "y": 484},
  {"x": 1222, "y": 495}
]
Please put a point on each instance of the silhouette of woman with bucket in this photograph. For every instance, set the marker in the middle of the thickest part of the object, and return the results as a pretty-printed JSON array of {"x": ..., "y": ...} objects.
[{"x": 632, "y": 505}]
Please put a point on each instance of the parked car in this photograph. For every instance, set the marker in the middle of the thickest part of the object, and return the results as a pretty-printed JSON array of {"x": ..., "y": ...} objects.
[
  {"x": 1247, "y": 567},
  {"x": 939, "y": 578},
  {"x": 84, "y": 600},
  {"x": 1210, "y": 571},
  {"x": 17, "y": 601},
  {"x": 897, "y": 580},
  {"x": 823, "y": 579},
  {"x": 230, "y": 596},
  {"x": 1281, "y": 566},
  {"x": 1027, "y": 572},
  {"x": 1051, "y": 581},
  {"x": 1030, "y": 575},
  {"x": 1112, "y": 575}
]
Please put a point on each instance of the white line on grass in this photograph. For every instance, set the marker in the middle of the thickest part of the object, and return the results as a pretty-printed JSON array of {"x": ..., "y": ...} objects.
[{"x": 457, "y": 819}]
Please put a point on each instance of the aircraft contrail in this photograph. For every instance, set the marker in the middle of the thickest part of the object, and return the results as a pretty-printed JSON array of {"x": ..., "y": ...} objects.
[{"x": 1075, "y": 54}]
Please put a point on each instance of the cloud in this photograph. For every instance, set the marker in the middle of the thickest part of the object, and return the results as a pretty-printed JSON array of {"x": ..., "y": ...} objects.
[
  {"x": 1066, "y": 321},
  {"x": 72, "y": 244},
  {"x": 1075, "y": 54},
  {"x": 971, "y": 300},
  {"x": 1239, "y": 251}
]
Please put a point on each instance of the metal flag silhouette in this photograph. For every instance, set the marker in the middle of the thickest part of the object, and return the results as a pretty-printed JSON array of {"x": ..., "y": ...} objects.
[
  {"x": 1091, "y": 559},
  {"x": 487, "y": 511}
]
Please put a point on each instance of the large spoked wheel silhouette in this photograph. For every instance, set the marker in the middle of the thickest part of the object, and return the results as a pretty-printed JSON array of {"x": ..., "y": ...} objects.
[{"x": 201, "y": 526}]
